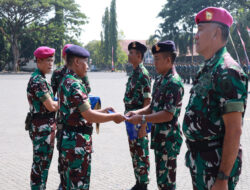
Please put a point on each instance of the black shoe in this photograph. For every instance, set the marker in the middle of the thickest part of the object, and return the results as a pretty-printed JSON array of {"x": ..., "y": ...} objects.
[{"x": 138, "y": 186}]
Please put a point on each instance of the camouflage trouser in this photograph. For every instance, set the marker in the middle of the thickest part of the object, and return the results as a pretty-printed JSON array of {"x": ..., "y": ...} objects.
[
  {"x": 165, "y": 170},
  {"x": 204, "y": 167},
  {"x": 60, "y": 165},
  {"x": 75, "y": 157},
  {"x": 42, "y": 136},
  {"x": 139, "y": 152},
  {"x": 205, "y": 182}
]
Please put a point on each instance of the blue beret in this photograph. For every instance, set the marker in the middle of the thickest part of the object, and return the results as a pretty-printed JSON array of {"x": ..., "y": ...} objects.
[
  {"x": 77, "y": 51},
  {"x": 137, "y": 46},
  {"x": 166, "y": 46}
]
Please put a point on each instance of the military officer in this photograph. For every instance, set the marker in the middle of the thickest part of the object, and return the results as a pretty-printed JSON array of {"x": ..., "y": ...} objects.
[
  {"x": 138, "y": 95},
  {"x": 59, "y": 73},
  {"x": 76, "y": 145},
  {"x": 42, "y": 109},
  {"x": 214, "y": 115},
  {"x": 163, "y": 112}
]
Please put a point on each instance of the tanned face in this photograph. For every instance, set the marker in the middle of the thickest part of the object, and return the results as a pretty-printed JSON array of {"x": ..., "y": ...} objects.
[
  {"x": 45, "y": 65},
  {"x": 134, "y": 57},
  {"x": 162, "y": 63},
  {"x": 81, "y": 66},
  {"x": 205, "y": 37}
]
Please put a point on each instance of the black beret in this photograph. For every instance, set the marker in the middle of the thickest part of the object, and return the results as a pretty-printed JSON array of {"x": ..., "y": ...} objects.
[
  {"x": 137, "y": 46},
  {"x": 166, "y": 46},
  {"x": 77, "y": 51}
]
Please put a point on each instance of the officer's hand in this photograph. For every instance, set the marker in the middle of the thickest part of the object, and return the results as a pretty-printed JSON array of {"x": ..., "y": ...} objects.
[
  {"x": 220, "y": 185},
  {"x": 135, "y": 119},
  {"x": 118, "y": 118},
  {"x": 108, "y": 109},
  {"x": 142, "y": 131},
  {"x": 130, "y": 113}
]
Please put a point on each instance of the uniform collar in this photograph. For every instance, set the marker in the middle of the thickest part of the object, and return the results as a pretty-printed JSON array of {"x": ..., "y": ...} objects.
[
  {"x": 40, "y": 73},
  {"x": 136, "y": 70},
  {"x": 70, "y": 72},
  {"x": 170, "y": 72},
  {"x": 210, "y": 62}
]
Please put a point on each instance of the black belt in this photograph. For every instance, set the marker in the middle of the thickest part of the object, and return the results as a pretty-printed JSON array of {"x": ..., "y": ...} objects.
[
  {"x": 79, "y": 129},
  {"x": 132, "y": 107},
  {"x": 204, "y": 146},
  {"x": 43, "y": 115}
]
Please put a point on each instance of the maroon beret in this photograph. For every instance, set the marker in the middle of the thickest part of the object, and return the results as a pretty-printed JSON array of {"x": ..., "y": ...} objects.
[
  {"x": 44, "y": 52},
  {"x": 214, "y": 14},
  {"x": 64, "y": 49}
]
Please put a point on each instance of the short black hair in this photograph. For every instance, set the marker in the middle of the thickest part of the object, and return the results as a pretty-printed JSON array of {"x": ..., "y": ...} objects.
[
  {"x": 172, "y": 55},
  {"x": 70, "y": 59},
  {"x": 224, "y": 32}
]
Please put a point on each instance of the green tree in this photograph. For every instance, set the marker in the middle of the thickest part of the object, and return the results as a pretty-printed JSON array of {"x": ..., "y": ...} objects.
[
  {"x": 32, "y": 21},
  {"x": 94, "y": 47},
  {"x": 113, "y": 30},
  {"x": 122, "y": 58},
  {"x": 4, "y": 49},
  {"x": 67, "y": 21},
  {"x": 17, "y": 15},
  {"x": 178, "y": 18},
  {"x": 106, "y": 33}
]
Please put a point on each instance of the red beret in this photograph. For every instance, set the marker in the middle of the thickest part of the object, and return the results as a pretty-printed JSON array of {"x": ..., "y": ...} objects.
[
  {"x": 64, "y": 49},
  {"x": 44, "y": 52},
  {"x": 214, "y": 14}
]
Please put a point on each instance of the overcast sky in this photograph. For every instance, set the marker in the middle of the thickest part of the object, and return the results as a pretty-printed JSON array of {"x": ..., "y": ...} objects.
[{"x": 136, "y": 18}]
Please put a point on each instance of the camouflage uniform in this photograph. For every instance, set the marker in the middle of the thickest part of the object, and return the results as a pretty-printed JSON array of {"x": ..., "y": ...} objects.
[
  {"x": 76, "y": 145},
  {"x": 58, "y": 75},
  {"x": 56, "y": 79},
  {"x": 166, "y": 138},
  {"x": 219, "y": 88},
  {"x": 42, "y": 129},
  {"x": 138, "y": 88}
]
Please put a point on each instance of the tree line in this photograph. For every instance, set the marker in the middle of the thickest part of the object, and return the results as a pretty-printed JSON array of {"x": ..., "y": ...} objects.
[
  {"x": 108, "y": 49},
  {"x": 179, "y": 25},
  {"x": 27, "y": 24}
]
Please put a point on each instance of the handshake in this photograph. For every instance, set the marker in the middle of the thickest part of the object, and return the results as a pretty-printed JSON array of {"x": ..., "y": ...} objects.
[{"x": 131, "y": 116}]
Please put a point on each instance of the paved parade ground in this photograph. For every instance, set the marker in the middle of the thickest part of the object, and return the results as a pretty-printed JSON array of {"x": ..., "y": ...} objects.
[{"x": 111, "y": 162}]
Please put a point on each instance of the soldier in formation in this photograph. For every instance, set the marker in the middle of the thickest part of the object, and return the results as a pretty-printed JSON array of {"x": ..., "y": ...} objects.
[{"x": 137, "y": 96}]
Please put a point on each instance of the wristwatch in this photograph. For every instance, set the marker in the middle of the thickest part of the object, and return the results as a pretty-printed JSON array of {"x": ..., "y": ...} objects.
[
  {"x": 222, "y": 176},
  {"x": 143, "y": 120}
]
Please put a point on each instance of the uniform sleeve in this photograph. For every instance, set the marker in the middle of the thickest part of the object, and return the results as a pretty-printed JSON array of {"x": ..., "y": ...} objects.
[
  {"x": 79, "y": 98},
  {"x": 41, "y": 90},
  {"x": 173, "y": 98},
  {"x": 146, "y": 86},
  {"x": 231, "y": 87}
]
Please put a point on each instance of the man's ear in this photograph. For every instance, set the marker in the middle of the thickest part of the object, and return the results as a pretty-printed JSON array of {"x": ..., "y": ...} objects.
[
  {"x": 168, "y": 58},
  {"x": 76, "y": 61}
]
